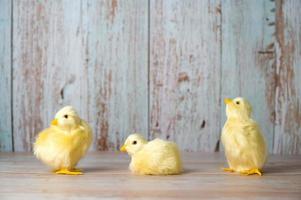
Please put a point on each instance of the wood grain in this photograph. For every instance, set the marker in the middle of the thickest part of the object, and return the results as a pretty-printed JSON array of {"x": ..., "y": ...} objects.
[
  {"x": 88, "y": 54},
  {"x": 248, "y": 68},
  {"x": 117, "y": 69},
  {"x": 288, "y": 77},
  {"x": 48, "y": 43},
  {"x": 107, "y": 176},
  {"x": 185, "y": 72},
  {"x": 5, "y": 77},
  {"x": 159, "y": 67}
]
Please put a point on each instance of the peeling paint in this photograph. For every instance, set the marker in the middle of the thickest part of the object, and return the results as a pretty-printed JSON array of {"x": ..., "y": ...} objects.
[
  {"x": 288, "y": 112},
  {"x": 182, "y": 77},
  {"x": 182, "y": 69},
  {"x": 114, "y": 5}
]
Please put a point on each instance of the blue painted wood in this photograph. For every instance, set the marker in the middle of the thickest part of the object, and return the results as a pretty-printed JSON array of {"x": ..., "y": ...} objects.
[
  {"x": 89, "y": 54},
  {"x": 5, "y": 76},
  {"x": 49, "y": 72},
  {"x": 287, "y": 138},
  {"x": 117, "y": 53},
  {"x": 185, "y": 71},
  {"x": 164, "y": 76},
  {"x": 248, "y": 58}
]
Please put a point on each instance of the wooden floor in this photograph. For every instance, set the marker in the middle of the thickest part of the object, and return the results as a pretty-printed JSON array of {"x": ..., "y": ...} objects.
[{"x": 107, "y": 176}]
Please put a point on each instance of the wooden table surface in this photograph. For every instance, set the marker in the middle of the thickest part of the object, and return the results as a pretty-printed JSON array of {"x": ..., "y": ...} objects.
[{"x": 107, "y": 176}]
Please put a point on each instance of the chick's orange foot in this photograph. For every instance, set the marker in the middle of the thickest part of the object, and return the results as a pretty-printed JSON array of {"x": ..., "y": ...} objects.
[
  {"x": 252, "y": 171},
  {"x": 69, "y": 172}
]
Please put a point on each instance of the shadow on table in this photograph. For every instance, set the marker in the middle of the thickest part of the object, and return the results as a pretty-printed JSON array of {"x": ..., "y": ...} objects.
[
  {"x": 105, "y": 169},
  {"x": 96, "y": 169},
  {"x": 293, "y": 168}
]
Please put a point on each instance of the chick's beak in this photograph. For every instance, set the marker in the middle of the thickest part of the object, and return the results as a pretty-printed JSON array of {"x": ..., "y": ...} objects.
[
  {"x": 123, "y": 148},
  {"x": 227, "y": 101},
  {"x": 54, "y": 122}
]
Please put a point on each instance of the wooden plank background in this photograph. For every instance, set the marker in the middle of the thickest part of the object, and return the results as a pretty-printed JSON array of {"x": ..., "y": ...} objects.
[
  {"x": 159, "y": 67},
  {"x": 184, "y": 72},
  {"x": 248, "y": 58},
  {"x": 6, "y": 136},
  {"x": 288, "y": 78}
]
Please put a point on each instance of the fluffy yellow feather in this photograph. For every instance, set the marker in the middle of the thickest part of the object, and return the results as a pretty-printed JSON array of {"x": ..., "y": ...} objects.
[
  {"x": 244, "y": 144},
  {"x": 64, "y": 143},
  {"x": 157, "y": 157}
]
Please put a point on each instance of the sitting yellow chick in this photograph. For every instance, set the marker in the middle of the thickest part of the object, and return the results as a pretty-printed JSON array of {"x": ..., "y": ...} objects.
[
  {"x": 157, "y": 157},
  {"x": 245, "y": 147},
  {"x": 64, "y": 143}
]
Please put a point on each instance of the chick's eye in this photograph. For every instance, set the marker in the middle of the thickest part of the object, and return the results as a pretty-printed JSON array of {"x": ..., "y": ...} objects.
[
  {"x": 66, "y": 116},
  {"x": 134, "y": 142},
  {"x": 237, "y": 102}
]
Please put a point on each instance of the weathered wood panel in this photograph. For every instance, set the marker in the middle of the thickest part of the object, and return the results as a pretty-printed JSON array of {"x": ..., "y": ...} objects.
[
  {"x": 117, "y": 57},
  {"x": 5, "y": 76},
  {"x": 248, "y": 68},
  {"x": 185, "y": 72},
  {"x": 100, "y": 56},
  {"x": 90, "y": 54},
  {"x": 48, "y": 70},
  {"x": 288, "y": 78}
]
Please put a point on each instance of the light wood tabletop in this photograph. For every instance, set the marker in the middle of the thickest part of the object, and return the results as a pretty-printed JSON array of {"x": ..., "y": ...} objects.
[{"x": 106, "y": 176}]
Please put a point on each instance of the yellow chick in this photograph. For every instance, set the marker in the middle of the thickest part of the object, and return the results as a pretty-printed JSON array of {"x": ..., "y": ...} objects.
[
  {"x": 64, "y": 143},
  {"x": 157, "y": 157},
  {"x": 245, "y": 147}
]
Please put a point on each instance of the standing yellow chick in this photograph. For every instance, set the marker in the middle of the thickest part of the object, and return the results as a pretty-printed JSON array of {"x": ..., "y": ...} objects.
[
  {"x": 244, "y": 144},
  {"x": 157, "y": 157},
  {"x": 64, "y": 143}
]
